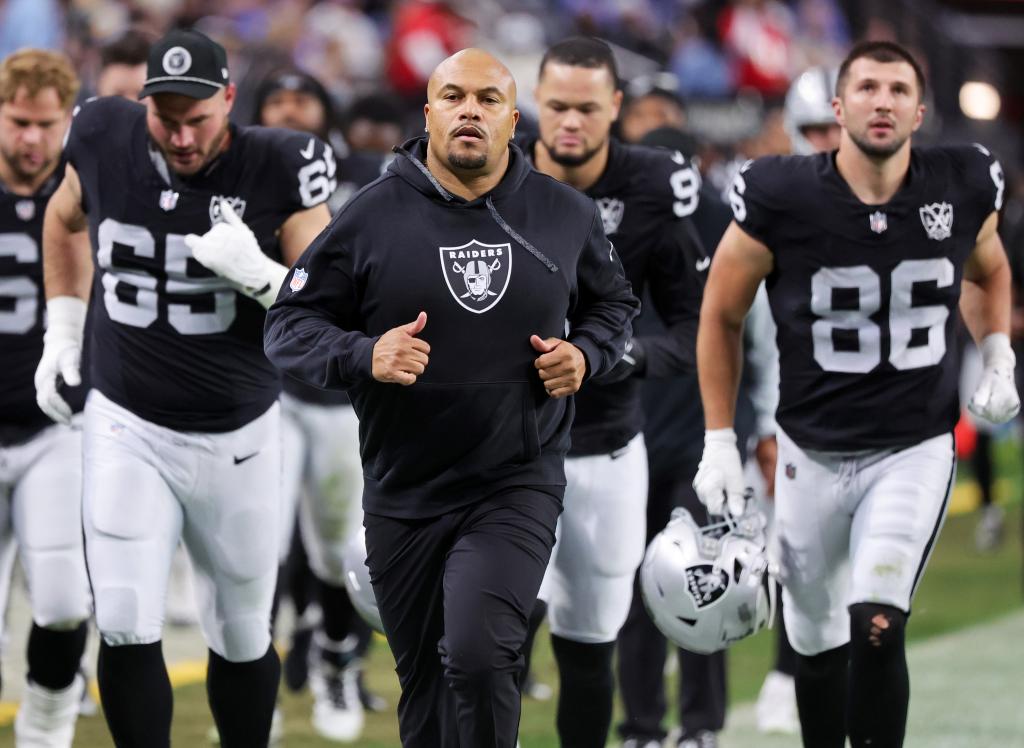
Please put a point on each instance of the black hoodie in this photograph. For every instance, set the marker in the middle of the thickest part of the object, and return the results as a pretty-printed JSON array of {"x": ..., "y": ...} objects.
[{"x": 528, "y": 258}]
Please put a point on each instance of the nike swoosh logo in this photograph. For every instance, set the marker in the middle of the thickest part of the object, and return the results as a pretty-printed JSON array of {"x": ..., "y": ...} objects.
[
  {"x": 240, "y": 460},
  {"x": 307, "y": 152},
  {"x": 702, "y": 264}
]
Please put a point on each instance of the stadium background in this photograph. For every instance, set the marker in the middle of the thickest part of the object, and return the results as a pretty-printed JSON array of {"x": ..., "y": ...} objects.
[{"x": 730, "y": 61}]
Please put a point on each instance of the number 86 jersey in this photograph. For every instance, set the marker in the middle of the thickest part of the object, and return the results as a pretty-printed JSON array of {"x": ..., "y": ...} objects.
[
  {"x": 171, "y": 341},
  {"x": 865, "y": 296}
]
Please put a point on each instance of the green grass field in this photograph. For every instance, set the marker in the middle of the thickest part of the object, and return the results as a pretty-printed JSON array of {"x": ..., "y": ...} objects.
[{"x": 962, "y": 588}]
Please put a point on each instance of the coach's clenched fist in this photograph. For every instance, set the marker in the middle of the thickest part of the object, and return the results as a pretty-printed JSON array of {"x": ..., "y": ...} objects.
[
  {"x": 561, "y": 365},
  {"x": 399, "y": 356}
]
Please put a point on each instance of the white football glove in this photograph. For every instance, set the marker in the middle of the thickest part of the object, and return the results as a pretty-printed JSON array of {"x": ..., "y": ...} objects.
[
  {"x": 996, "y": 397},
  {"x": 719, "y": 481},
  {"x": 62, "y": 355},
  {"x": 231, "y": 250}
]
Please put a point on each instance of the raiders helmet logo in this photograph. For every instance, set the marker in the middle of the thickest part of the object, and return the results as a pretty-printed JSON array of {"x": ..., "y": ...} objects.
[
  {"x": 177, "y": 61},
  {"x": 477, "y": 274},
  {"x": 706, "y": 584},
  {"x": 612, "y": 209},
  {"x": 237, "y": 203},
  {"x": 938, "y": 220}
]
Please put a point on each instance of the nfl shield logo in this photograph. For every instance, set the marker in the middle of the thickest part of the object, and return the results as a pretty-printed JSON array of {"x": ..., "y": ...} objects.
[
  {"x": 25, "y": 209},
  {"x": 477, "y": 274},
  {"x": 298, "y": 280},
  {"x": 879, "y": 221},
  {"x": 938, "y": 220},
  {"x": 790, "y": 471},
  {"x": 168, "y": 200}
]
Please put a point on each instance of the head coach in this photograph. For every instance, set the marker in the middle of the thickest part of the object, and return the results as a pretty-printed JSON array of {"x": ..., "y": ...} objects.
[{"x": 460, "y": 298}]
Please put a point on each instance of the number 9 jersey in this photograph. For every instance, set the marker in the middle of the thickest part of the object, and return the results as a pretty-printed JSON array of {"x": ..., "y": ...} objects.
[
  {"x": 865, "y": 296},
  {"x": 171, "y": 341}
]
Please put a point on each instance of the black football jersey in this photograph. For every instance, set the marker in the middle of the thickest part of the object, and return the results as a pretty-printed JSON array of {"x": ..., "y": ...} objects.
[
  {"x": 645, "y": 197},
  {"x": 22, "y": 311},
  {"x": 865, "y": 296},
  {"x": 170, "y": 340}
]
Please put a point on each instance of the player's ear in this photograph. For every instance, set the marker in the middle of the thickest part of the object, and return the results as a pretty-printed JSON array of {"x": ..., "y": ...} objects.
[
  {"x": 426, "y": 118},
  {"x": 837, "y": 109},
  {"x": 616, "y": 103},
  {"x": 230, "y": 91},
  {"x": 919, "y": 116}
]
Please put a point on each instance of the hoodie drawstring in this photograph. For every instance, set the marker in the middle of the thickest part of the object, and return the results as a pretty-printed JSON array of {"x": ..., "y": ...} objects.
[
  {"x": 425, "y": 171},
  {"x": 519, "y": 239},
  {"x": 502, "y": 224}
]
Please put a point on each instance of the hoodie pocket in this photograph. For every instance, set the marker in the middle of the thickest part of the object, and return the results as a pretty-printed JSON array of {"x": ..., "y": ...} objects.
[
  {"x": 531, "y": 432},
  {"x": 419, "y": 434}
]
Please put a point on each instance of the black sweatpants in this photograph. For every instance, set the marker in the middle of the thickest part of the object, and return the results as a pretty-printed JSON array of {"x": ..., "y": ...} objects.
[
  {"x": 455, "y": 594},
  {"x": 642, "y": 648}
]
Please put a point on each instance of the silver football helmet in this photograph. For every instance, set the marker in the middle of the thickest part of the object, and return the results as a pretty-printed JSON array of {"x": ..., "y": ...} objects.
[
  {"x": 706, "y": 587},
  {"x": 808, "y": 103},
  {"x": 357, "y": 580}
]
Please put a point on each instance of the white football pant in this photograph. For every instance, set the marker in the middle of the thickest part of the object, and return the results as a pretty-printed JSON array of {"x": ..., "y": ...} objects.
[
  {"x": 324, "y": 476},
  {"x": 41, "y": 515},
  {"x": 855, "y": 528},
  {"x": 599, "y": 544},
  {"x": 146, "y": 487}
]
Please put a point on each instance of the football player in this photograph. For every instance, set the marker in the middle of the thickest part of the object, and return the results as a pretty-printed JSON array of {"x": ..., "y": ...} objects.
[
  {"x": 645, "y": 196},
  {"x": 40, "y": 462},
  {"x": 123, "y": 65},
  {"x": 864, "y": 250},
  {"x": 190, "y": 220},
  {"x": 323, "y": 474}
]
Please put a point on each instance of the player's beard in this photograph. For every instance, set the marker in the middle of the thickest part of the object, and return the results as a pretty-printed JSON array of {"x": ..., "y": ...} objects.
[
  {"x": 877, "y": 151},
  {"x": 14, "y": 163},
  {"x": 467, "y": 162},
  {"x": 216, "y": 146},
  {"x": 572, "y": 159}
]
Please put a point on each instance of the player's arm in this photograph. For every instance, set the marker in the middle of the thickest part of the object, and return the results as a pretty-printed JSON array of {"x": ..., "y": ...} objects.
[
  {"x": 986, "y": 311},
  {"x": 740, "y": 264},
  {"x": 677, "y": 287},
  {"x": 600, "y": 319},
  {"x": 299, "y": 231},
  {"x": 67, "y": 273},
  {"x": 67, "y": 259},
  {"x": 312, "y": 331}
]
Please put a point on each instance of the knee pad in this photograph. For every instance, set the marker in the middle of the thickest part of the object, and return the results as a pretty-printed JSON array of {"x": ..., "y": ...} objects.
[
  {"x": 241, "y": 639},
  {"x": 876, "y": 627}
]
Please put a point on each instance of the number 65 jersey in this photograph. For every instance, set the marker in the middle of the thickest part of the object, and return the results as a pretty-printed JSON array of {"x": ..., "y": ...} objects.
[
  {"x": 865, "y": 296},
  {"x": 171, "y": 341}
]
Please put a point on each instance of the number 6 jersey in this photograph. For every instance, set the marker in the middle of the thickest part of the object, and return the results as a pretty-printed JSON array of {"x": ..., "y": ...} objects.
[
  {"x": 865, "y": 296},
  {"x": 171, "y": 341},
  {"x": 22, "y": 311}
]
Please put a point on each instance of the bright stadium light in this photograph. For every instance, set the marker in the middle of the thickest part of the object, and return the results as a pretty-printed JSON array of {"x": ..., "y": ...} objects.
[{"x": 979, "y": 100}]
